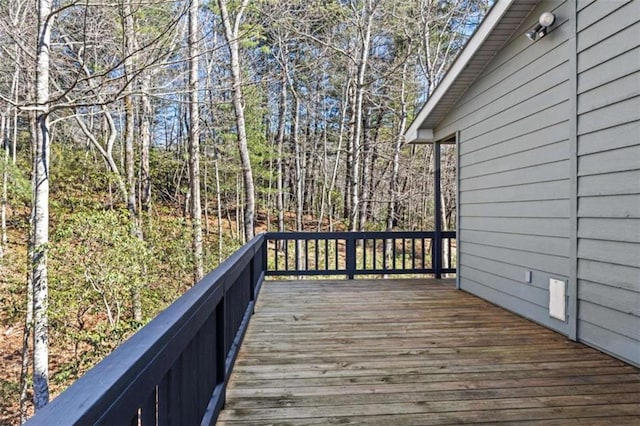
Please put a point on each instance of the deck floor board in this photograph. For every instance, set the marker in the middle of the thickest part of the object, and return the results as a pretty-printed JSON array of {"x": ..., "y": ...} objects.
[{"x": 407, "y": 352}]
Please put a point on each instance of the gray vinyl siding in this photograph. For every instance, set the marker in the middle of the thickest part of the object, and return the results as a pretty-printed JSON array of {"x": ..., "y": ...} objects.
[
  {"x": 514, "y": 171},
  {"x": 608, "y": 102},
  {"x": 549, "y": 173}
]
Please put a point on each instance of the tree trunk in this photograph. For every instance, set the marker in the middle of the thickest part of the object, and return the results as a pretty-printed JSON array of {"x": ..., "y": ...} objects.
[
  {"x": 26, "y": 336},
  {"x": 194, "y": 140},
  {"x": 145, "y": 144},
  {"x": 27, "y": 330},
  {"x": 232, "y": 31},
  {"x": 299, "y": 177},
  {"x": 349, "y": 208},
  {"x": 366, "y": 180},
  {"x": 4, "y": 144},
  {"x": 129, "y": 113},
  {"x": 282, "y": 117},
  {"x": 336, "y": 165},
  {"x": 219, "y": 202},
  {"x": 129, "y": 155},
  {"x": 299, "y": 163},
  {"x": 15, "y": 86},
  {"x": 358, "y": 100},
  {"x": 395, "y": 170},
  {"x": 40, "y": 216}
]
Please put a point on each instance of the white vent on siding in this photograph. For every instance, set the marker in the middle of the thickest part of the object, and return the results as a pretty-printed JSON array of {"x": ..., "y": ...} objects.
[{"x": 557, "y": 299}]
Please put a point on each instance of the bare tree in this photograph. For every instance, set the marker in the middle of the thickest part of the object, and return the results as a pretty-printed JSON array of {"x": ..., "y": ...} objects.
[
  {"x": 4, "y": 145},
  {"x": 129, "y": 49},
  {"x": 364, "y": 25},
  {"x": 40, "y": 216},
  {"x": 232, "y": 35},
  {"x": 194, "y": 140},
  {"x": 282, "y": 117},
  {"x": 145, "y": 142}
]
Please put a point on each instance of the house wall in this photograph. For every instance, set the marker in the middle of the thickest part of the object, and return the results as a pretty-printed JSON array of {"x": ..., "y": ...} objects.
[
  {"x": 549, "y": 173},
  {"x": 608, "y": 107},
  {"x": 514, "y": 171}
]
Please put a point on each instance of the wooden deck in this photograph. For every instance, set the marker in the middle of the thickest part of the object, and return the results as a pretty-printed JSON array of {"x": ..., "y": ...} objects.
[{"x": 398, "y": 352}]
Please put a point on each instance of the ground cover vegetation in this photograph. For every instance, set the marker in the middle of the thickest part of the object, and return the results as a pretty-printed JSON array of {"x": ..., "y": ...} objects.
[{"x": 144, "y": 141}]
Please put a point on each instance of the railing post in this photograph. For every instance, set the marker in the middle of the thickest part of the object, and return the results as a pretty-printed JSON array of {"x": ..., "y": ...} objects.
[
  {"x": 254, "y": 273},
  {"x": 437, "y": 219},
  {"x": 220, "y": 350},
  {"x": 351, "y": 256},
  {"x": 265, "y": 251}
]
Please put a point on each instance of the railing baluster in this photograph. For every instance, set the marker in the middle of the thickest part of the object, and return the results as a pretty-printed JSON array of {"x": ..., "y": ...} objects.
[
  {"x": 187, "y": 391},
  {"x": 423, "y": 254},
  {"x": 413, "y": 253},
  {"x": 286, "y": 255},
  {"x": 393, "y": 251},
  {"x": 220, "y": 353},
  {"x": 326, "y": 255},
  {"x": 296, "y": 249},
  {"x": 375, "y": 263},
  {"x": 276, "y": 251},
  {"x": 351, "y": 256},
  {"x": 316, "y": 261},
  {"x": 148, "y": 410},
  {"x": 175, "y": 393},
  {"x": 404, "y": 254},
  {"x": 135, "y": 419},
  {"x": 263, "y": 260},
  {"x": 163, "y": 401},
  {"x": 306, "y": 254},
  {"x": 385, "y": 245},
  {"x": 364, "y": 254}
]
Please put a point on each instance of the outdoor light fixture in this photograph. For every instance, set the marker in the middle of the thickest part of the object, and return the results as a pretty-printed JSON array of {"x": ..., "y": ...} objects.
[{"x": 540, "y": 30}]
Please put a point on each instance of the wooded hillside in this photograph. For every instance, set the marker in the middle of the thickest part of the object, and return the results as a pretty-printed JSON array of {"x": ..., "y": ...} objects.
[{"x": 143, "y": 142}]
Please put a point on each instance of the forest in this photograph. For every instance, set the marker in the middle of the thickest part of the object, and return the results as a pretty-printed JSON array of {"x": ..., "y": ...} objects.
[{"x": 144, "y": 141}]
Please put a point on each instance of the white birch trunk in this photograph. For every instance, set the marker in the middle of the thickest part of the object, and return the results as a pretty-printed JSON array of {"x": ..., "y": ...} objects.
[
  {"x": 129, "y": 110},
  {"x": 232, "y": 31},
  {"x": 194, "y": 140},
  {"x": 367, "y": 15},
  {"x": 129, "y": 113},
  {"x": 145, "y": 141},
  {"x": 4, "y": 143},
  {"x": 26, "y": 337},
  {"x": 280, "y": 141},
  {"x": 40, "y": 216},
  {"x": 219, "y": 202}
]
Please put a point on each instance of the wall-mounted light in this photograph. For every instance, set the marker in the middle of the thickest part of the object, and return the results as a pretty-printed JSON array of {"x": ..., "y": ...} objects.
[{"x": 540, "y": 30}]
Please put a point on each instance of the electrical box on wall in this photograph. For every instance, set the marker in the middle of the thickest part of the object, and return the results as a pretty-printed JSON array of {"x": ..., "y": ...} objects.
[{"x": 557, "y": 299}]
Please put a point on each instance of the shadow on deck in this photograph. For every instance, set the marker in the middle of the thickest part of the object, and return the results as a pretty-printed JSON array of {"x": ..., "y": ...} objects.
[{"x": 415, "y": 352}]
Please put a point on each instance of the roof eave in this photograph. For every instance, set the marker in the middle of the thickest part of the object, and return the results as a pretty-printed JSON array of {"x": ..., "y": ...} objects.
[{"x": 421, "y": 136}]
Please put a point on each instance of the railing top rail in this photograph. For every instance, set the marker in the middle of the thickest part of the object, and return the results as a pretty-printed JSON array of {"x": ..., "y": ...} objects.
[
  {"x": 148, "y": 353},
  {"x": 292, "y": 235}
]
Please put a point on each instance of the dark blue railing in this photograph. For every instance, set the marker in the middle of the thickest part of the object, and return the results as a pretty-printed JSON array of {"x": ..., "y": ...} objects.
[
  {"x": 175, "y": 369},
  {"x": 360, "y": 253}
]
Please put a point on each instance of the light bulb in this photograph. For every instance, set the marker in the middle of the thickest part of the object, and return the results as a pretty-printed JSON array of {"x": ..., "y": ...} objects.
[{"x": 546, "y": 19}]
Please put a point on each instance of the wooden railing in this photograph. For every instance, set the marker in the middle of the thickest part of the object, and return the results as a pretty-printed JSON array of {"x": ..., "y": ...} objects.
[
  {"x": 175, "y": 369},
  {"x": 360, "y": 253}
]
